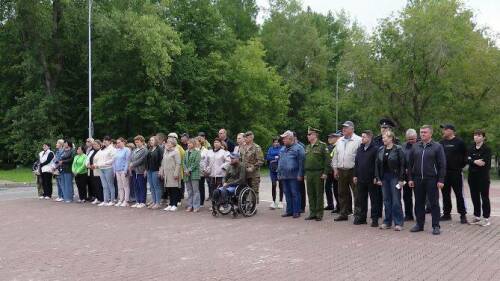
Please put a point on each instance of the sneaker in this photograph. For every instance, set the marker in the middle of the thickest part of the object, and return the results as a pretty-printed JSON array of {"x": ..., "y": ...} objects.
[
  {"x": 445, "y": 218},
  {"x": 46, "y": 198},
  {"x": 167, "y": 208},
  {"x": 179, "y": 204},
  {"x": 173, "y": 209},
  {"x": 156, "y": 207},
  {"x": 475, "y": 220},
  {"x": 416, "y": 228},
  {"x": 385, "y": 226},
  {"x": 59, "y": 199},
  {"x": 374, "y": 223},
  {"x": 110, "y": 203},
  {"x": 150, "y": 203},
  {"x": 141, "y": 205},
  {"x": 124, "y": 204},
  {"x": 280, "y": 205},
  {"x": 95, "y": 202},
  {"x": 79, "y": 201},
  {"x": 40, "y": 197},
  {"x": 486, "y": 222},
  {"x": 118, "y": 204},
  {"x": 398, "y": 228},
  {"x": 135, "y": 205},
  {"x": 196, "y": 210},
  {"x": 436, "y": 230},
  {"x": 272, "y": 206},
  {"x": 102, "y": 204}
]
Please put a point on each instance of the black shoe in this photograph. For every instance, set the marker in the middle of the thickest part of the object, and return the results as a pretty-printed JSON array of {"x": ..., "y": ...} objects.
[
  {"x": 463, "y": 219},
  {"x": 310, "y": 218},
  {"x": 319, "y": 219},
  {"x": 334, "y": 211},
  {"x": 340, "y": 218},
  {"x": 408, "y": 218},
  {"x": 296, "y": 215},
  {"x": 359, "y": 222},
  {"x": 286, "y": 215},
  {"x": 374, "y": 223},
  {"x": 328, "y": 208},
  {"x": 445, "y": 218},
  {"x": 416, "y": 228},
  {"x": 436, "y": 230}
]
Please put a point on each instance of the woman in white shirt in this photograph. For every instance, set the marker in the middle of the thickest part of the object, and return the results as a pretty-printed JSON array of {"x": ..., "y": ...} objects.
[
  {"x": 104, "y": 162},
  {"x": 215, "y": 161}
]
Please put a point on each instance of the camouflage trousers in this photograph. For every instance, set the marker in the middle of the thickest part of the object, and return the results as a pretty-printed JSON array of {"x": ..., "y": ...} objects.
[
  {"x": 39, "y": 185},
  {"x": 254, "y": 183}
]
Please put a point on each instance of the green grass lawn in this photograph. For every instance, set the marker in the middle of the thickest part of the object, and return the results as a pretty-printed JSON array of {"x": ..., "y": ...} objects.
[{"x": 17, "y": 175}]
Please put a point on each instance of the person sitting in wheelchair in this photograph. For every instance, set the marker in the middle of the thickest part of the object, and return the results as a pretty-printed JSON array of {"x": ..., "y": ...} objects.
[{"x": 235, "y": 176}]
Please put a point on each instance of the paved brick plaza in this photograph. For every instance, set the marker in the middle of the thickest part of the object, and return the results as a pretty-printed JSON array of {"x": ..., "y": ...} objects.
[{"x": 45, "y": 240}]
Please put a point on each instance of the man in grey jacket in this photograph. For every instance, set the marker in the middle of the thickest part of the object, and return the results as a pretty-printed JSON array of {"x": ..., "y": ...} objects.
[{"x": 426, "y": 172}]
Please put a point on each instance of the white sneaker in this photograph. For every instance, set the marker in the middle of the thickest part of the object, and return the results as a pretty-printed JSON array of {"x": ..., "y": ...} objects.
[
  {"x": 486, "y": 222},
  {"x": 95, "y": 202},
  {"x": 134, "y": 205},
  {"x": 167, "y": 208},
  {"x": 110, "y": 203},
  {"x": 475, "y": 220},
  {"x": 179, "y": 204},
  {"x": 272, "y": 206},
  {"x": 46, "y": 197},
  {"x": 124, "y": 204},
  {"x": 118, "y": 204},
  {"x": 102, "y": 204},
  {"x": 40, "y": 198},
  {"x": 142, "y": 205},
  {"x": 280, "y": 205},
  {"x": 173, "y": 209},
  {"x": 59, "y": 199}
]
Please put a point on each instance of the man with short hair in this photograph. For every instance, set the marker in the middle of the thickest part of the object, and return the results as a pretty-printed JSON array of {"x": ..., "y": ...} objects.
[
  {"x": 386, "y": 125},
  {"x": 426, "y": 172},
  {"x": 364, "y": 178},
  {"x": 411, "y": 139},
  {"x": 316, "y": 168},
  {"x": 456, "y": 159},
  {"x": 184, "y": 141},
  {"x": 253, "y": 158},
  {"x": 331, "y": 183},
  {"x": 343, "y": 167},
  {"x": 290, "y": 172},
  {"x": 223, "y": 137}
]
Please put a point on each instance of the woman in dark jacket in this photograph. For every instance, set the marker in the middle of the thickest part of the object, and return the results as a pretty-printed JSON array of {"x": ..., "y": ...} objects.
[
  {"x": 389, "y": 173},
  {"x": 65, "y": 163},
  {"x": 479, "y": 160},
  {"x": 153, "y": 163}
]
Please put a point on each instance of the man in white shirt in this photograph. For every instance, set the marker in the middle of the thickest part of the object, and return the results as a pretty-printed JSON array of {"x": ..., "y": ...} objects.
[{"x": 343, "y": 166}]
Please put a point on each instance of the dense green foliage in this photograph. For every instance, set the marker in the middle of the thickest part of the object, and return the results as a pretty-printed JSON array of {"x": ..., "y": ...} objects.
[{"x": 200, "y": 65}]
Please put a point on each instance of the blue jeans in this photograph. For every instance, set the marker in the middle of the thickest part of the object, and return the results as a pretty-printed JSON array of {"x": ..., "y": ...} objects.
[
  {"x": 392, "y": 200},
  {"x": 155, "y": 187},
  {"x": 193, "y": 190},
  {"x": 59, "y": 181},
  {"x": 108, "y": 184},
  {"x": 67, "y": 186},
  {"x": 139, "y": 187},
  {"x": 292, "y": 195}
]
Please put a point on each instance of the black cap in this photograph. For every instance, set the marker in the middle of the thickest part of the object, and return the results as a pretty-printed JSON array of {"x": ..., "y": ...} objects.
[
  {"x": 447, "y": 126},
  {"x": 202, "y": 134},
  {"x": 335, "y": 134},
  {"x": 185, "y": 135},
  {"x": 386, "y": 123}
]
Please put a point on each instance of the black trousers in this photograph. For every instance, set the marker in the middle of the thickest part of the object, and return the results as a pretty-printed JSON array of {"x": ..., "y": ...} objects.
[
  {"x": 47, "y": 184},
  {"x": 302, "y": 188},
  {"x": 408, "y": 200},
  {"x": 81, "y": 181},
  {"x": 183, "y": 188},
  {"x": 480, "y": 194},
  {"x": 273, "y": 190},
  {"x": 453, "y": 180},
  {"x": 215, "y": 182},
  {"x": 375, "y": 192},
  {"x": 426, "y": 188},
  {"x": 331, "y": 191},
  {"x": 97, "y": 188},
  {"x": 201, "y": 186},
  {"x": 175, "y": 195},
  {"x": 115, "y": 181}
]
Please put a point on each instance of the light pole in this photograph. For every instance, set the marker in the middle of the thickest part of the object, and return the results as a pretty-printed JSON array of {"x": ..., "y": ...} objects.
[
  {"x": 90, "y": 71},
  {"x": 337, "y": 102}
]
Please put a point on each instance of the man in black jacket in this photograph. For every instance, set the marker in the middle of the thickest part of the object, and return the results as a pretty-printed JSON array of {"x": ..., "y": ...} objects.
[
  {"x": 426, "y": 172},
  {"x": 456, "y": 155},
  {"x": 386, "y": 125},
  {"x": 364, "y": 176}
]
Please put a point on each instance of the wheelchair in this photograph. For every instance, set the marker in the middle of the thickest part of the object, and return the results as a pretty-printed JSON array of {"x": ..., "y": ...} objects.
[{"x": 242, "y": 201}]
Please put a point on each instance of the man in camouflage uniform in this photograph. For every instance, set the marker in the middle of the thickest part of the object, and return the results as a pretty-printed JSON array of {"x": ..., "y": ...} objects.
[
  {"x": 316, "y": 169},
  {"x": 253, "y": 158}
]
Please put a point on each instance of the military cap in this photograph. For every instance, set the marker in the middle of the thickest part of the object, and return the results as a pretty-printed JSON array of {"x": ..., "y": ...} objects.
[{"x": 386, "y": 123}]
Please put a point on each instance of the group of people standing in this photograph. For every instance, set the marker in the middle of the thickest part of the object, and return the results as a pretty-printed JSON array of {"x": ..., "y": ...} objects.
[
  {"x": 384, "y": 171},
  {"x": 349, "y": 167},
  {"x": 116, "y": 172}
]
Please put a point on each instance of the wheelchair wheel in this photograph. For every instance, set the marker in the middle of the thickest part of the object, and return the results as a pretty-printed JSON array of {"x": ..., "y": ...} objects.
[
  {"x": 247, "y": 202},
  {"x": 224, "y": 211}
]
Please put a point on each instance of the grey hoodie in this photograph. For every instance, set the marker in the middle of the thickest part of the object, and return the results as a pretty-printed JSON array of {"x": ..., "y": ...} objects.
[{"x": 138, "y": 160}]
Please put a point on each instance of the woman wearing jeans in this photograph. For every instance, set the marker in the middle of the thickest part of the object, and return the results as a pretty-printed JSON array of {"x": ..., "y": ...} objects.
[
  {"x": 104, "y": 162},
  {"x": 65, "y": 163},
  {"x": 120, "y": 167},
  {"x": 153, "y": 163},
  {"x": 137, "y": 167},
  {"x": 479, "y": 160},
  {"x": 389, "y": 173},
  {"x": 192, "y": 176}
]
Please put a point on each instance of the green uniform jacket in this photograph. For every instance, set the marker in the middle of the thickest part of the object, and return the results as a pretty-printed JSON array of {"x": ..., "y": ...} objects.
[
  {"x": 235, "y": 175},
  {"x": 316, "y": 159},
  {"x": 191, "y": 163},
  {"x": 78, "y": 166}
]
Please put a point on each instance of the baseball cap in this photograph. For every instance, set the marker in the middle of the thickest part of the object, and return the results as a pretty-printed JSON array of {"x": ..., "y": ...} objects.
[
  {"x": 287, "y": 133},
  {"x": 348, "y": 124},
  {"x": 173, "y": 135}
]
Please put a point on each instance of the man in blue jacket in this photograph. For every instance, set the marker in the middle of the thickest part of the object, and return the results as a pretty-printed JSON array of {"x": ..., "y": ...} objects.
[
  {"x": 290, "y": 172},
  {"x": 426, "y": 173}
]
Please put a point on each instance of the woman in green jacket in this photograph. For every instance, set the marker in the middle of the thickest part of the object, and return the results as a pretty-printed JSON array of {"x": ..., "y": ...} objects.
[
  {"x": 191, "y": 166},
  {"x": 80, "y": 171}
]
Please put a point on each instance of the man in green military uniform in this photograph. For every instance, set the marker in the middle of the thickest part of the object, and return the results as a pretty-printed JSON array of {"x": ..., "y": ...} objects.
[
  {"x": 316, "y": 169},
  {"x": 253, "y": 158}
]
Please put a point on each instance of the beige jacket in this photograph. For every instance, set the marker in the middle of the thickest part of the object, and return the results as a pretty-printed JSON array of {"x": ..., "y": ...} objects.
[
  {"x": 171, "y": 168},
  {"x": 344, "y": 152}
]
